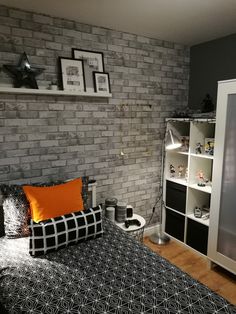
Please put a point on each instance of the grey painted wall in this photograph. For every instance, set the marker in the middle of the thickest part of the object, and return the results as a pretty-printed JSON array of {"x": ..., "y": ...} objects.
[
  {"x": 211, "y": 62},
  {"x": 48, "y": 137}
]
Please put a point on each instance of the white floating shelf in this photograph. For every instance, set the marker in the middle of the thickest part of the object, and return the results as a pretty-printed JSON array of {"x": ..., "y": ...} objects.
[
  {"x": 202, "y": 156},
  {"x": 200, "y": 220},
  {"x": 178, "y": 180},
  {"x": 11, "y": 90},
  {"x": 206, "y": 189}
]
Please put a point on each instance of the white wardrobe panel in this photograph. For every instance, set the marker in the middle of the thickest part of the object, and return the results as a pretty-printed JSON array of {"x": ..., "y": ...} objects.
[{"x": 227, "y": 215}]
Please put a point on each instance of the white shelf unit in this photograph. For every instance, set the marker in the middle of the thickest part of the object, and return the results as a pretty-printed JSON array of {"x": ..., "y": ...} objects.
[
  {"x": 12, "y": 90},
  {"x": 182, "y": 193}
]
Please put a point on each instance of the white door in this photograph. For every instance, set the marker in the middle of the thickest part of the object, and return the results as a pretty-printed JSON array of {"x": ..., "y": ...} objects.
[{"x": 222, "y": 230}]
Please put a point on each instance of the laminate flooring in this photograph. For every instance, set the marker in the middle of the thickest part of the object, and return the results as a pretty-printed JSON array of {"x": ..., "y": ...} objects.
[{"x": 196, "y": 265}]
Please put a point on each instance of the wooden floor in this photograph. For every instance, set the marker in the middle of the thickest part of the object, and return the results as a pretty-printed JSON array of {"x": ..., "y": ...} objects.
[{"x": 217, "y": 279}]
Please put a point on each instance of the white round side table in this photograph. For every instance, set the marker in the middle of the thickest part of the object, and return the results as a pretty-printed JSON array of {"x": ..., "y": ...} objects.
[{"x": 134, "y": 230}]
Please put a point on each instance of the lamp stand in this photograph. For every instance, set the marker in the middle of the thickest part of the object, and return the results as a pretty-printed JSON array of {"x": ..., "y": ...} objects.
[{"x": 159, "y": 237}]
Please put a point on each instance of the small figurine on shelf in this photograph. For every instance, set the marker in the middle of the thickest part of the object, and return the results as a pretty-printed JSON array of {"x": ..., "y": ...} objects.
[
  {"x": 172, "y": 171},
  {"x": 184, "y": 143},
  {"x": 209, "y": 146},
  {"x": 197, "y": 212},
  {"x": 180, "y": 171},
  {"x": 198, "y": 148},
  {"x": 201, "y": 179}
]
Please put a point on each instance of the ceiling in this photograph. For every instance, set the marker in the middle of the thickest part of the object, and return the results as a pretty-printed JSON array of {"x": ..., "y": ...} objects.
[{"x": 183, "y": 21}]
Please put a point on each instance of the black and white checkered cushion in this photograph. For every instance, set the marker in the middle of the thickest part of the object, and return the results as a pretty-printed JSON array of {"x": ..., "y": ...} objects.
[{"x": 59, "y": 232}]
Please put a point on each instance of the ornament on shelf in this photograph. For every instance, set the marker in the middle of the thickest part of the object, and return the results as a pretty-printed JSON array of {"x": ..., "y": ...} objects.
[
  {"x": 207, "y": 104},
  {"x": 201, "y": 179},
  {"x": 198, "y": 148},
  {"x": 203, "y": 212},
  {"x": 23, "y": 74},
  {"x": 180, "y": 171},
  {"x": 209, "y": 146},
  {"x": 197, "y": 212},
  {"x": 184, "y": 143},
  {"x": 172, "y": 171},
  {"x": 53, "y": 85}
]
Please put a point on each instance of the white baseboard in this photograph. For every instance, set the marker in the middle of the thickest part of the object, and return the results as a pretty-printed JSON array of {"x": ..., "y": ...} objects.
[{"x": 150, "y": 230}]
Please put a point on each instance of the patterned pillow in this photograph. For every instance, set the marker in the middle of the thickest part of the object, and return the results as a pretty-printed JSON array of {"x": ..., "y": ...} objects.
[
  {"x": 56, "y": 233},
  {"x": 15, "y": 207}
]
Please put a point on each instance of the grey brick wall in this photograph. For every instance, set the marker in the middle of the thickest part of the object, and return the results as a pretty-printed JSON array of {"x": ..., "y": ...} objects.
[{"x": 49, "y": 137}]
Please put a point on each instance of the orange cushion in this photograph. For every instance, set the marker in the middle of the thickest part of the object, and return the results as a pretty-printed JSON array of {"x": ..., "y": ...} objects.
[{"x": 53, "y": 201}]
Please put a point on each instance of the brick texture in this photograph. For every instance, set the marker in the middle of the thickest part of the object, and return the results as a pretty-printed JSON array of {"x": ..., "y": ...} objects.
[{"x": 118, "y": 140}]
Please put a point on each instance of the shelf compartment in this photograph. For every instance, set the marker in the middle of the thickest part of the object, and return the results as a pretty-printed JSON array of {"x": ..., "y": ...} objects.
[
  {"x": 199, "y": 132},
  {"x": 175, "y": 158},
  {"x": 11, "y": 90},
  {"x": 199, "y": 220},
  {"x": 176, "y": 196},
  {"x": 174, "y": 224},
  {"x": 180, "y": 128},
  {"x": 205, "y": 189},
  {"x": 197, "y": 164},
  {"x": 197, "y": 236},
  {"x": 197, "y": 199},
  {"x": 202, "y": 156}
]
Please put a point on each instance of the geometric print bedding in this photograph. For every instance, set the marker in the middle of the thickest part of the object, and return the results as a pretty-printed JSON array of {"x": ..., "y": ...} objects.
[
  {"x": 110, "y": 274},
  {"x": 59, "y": 232}
]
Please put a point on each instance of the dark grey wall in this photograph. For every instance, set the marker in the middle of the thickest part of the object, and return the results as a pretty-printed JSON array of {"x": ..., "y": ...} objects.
[{"x": 210, "y": 62}]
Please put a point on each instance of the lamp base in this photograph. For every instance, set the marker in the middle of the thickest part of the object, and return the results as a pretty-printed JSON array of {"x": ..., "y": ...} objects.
[{"x": 159, "y": 238}]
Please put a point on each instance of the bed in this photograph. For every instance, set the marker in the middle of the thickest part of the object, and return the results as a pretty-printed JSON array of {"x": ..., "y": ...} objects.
[{"x": 113, "y": 273}]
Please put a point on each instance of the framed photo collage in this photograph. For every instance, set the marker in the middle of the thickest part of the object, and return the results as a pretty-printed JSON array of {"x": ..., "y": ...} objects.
[{"x": 84, "y": 72}]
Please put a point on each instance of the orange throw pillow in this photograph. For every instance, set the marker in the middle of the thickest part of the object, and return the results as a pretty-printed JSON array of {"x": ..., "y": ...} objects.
[{"x": 54, "y": 201}]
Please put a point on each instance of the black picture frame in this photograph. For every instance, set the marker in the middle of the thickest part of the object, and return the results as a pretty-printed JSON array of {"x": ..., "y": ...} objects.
[
  {"x": 72, "y": 74},
  {"x": 101, "y": 82},
  {"x": 93, "y": 62}
]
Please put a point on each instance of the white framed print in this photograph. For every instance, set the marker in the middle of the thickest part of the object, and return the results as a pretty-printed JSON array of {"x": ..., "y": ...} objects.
[
  {"x": 101, "y": 83},
  {"x": 72, "y": 74}
]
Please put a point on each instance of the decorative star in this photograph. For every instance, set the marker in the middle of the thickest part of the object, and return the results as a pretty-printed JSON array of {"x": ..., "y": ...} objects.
[{"x": 23, "y": 74}]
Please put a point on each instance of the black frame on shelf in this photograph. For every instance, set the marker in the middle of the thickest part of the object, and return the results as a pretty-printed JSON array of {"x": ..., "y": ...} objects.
[
  {"x": 96, "y": 88},
  {"x": 85, "y": 55}
]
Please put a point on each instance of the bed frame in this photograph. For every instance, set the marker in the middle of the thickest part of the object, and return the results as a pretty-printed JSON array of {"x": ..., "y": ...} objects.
[{"x": 92, "y": 187}]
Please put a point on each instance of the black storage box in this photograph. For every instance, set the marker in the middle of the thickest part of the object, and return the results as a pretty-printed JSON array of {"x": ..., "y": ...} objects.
[
  {"x": 175, "y": 224},
  {"x": 197, "y": 236},
  {"x": 176, "y": 196}
]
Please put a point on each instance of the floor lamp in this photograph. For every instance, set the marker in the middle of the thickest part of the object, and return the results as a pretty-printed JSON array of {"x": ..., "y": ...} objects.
[{"x": 170, "y": 142}]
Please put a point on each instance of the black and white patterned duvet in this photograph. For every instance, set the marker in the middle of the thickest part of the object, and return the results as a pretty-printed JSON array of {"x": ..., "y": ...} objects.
[{"x": 112, "y": 274}]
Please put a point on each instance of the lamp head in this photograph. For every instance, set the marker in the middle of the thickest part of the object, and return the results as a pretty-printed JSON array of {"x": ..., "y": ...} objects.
[{"x": 172, "y": 141}]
